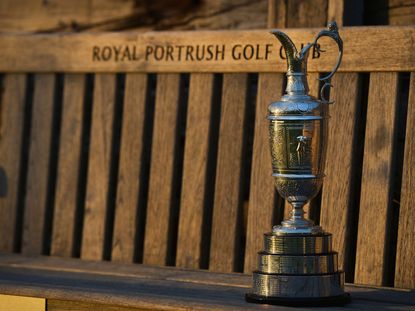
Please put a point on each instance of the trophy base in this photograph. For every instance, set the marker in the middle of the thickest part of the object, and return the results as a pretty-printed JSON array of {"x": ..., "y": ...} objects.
[
  {"x": 331, "y": 301},
  {"x": 298, "y": 270}
]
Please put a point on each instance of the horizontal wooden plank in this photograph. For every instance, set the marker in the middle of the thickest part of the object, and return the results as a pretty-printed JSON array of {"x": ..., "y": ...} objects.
[
  {"x": 21, "y": 303},
  {"x": 365, "y": 49},
  {"x": 109, "y": 286}
]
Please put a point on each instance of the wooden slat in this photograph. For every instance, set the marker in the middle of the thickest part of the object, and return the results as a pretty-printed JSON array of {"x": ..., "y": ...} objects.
[
  {"x": 277, "y": 13},
  {"x": 226, "y": 239},
  {"x": 192, "y": 203},
  {"x": 262, "y": 189},
  {"x": 21, "y": 303},
  {"x": 108, "y": 52},
  {"x": 376, "y": 179},
  {"x": 161, "y": 170},
  {"x": 11, "y": 127},
  {"x": 311, "y": 13},
  {"x": 98, "y": 167},
  {"x": 336, "y": 199},
  {"x": 314, "y": 86},
  {"x": 125, "y": 224},
  {"x": 68, "y": 166},
  {"x": 335, "y": 11},
  {"x": 405, "y": 267},
  {"x": 38, "y": 166}
]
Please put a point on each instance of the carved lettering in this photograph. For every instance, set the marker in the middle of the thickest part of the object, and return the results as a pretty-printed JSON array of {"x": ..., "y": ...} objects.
[
  {"x": 236, "y": 52},
  {"x": 209, "y": 51},
  {"x": 95, "y": 53},
  {"x": 248, "y": 51},
  {"x": 316, "y": 51},
  {"x": 169, "y": 53},
  {"x": 117, "y": 51},
  {"x": 220, "y": 51},
  {"x": 106, "y": 53},
  {"x": 200, "y": 52},
  {"x": 189, "y": 53},
  {"x": 180, "y": 47},
  {"x": 159, "y": 52},
  {"x": 126, "y": 55},
  {"x": 267, "y": 50},
  {"x": 149, "y": 50}
]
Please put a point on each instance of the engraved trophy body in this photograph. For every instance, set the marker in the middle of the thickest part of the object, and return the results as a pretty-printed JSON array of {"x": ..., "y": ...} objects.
[{"x": 297, "y": 265}]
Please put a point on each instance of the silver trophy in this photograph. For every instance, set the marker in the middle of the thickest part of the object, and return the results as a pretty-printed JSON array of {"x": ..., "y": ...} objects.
[{"x": 297, "y": 265}]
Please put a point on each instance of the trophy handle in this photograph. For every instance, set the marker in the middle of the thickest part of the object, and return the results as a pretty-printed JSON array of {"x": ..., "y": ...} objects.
[{"x": 333, "y": 33}]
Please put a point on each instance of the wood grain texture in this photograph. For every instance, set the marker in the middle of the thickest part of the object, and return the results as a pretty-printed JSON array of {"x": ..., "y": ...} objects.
[
  {"x": 111, "y": 15},
  {"x": 335, "y": 11},
  {"x": 75, "y": 52},
  {"x": 162, "y": 169},
  {"x": 262, "y": 194},
  {"x": 277, "y": 13},
  {"x": 376, "y": 179},
  {"x": 38, "y": 166},
  {"x": 312, "y": 13},
  {"x": 314, "y": 86},
  {"x": 34, "y": 16},
  {"x": 192, "y": 203},
  {"x": 99, "y": 164},
  {"x": 11, "y": 127},
  {"x": 21, "y": 303},
  {"x": 66, "y": 197},
  {"x": 128, "y": 186},
  {"x": 336, "y": 199},
  {"x": 226, "y": 237},
  {"x": 405, "y": 267},
  {"x": 99, "y": 285}
]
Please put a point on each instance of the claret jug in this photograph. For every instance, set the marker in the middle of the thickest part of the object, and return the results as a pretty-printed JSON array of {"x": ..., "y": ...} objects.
[
  {"x": 298, "y": 134},
  {"x": 297, "y": 265}
]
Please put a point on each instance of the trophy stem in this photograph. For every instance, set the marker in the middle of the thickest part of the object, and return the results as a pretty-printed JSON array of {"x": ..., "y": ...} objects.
[
  {"x": 297, "y": 212},
  {"x": 297, "y": 224}
]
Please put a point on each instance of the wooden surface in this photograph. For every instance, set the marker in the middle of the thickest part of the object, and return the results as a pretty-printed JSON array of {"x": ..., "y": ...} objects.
[
  {"x": 235, "y": 227},
  {"x": 11, "y": 128},
  {"x": 99, "y": 163},
  {"x": 226, "y": 222},
  {"x": 92, "y": 52},
  {"x": 335, "y": 11},
  {"x": 193, "y": 206},
  {"x": 161, "y": 185},
  {"x": 405, "y": 271},
  {"x": 263, "y": 196},
  {"x": 34, "y": 16},
  {"x": 111, "y": 15},
  {"x": 108, "y": 286},
  {"x": 37, "y": 191},
  {"x": 21, "y": 303},
  {"x": 66, "y": 199},
  {"x": 312, "y": 13},
  {"x": 372, "y": 238},
  {"x": 337, "y": 195},
  {"x": 130, "y": 165}
]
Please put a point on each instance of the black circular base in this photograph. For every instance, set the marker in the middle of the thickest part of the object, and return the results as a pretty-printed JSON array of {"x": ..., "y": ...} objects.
[{"x": 300, "y": 302}]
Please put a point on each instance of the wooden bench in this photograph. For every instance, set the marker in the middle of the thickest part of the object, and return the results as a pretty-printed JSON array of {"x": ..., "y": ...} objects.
[{"x": 153, "y": 148}]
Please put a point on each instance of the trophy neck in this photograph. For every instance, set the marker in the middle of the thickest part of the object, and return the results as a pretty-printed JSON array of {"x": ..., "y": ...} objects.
[{"x": 297, "y": 83}]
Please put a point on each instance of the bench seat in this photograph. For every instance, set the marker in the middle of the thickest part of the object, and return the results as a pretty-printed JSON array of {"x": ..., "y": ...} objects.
[{"x": 73, "y": 284}]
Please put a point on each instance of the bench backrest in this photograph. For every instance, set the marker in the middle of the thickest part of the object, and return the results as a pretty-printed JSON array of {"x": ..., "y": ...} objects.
[{"x": 154, "y": 148}]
